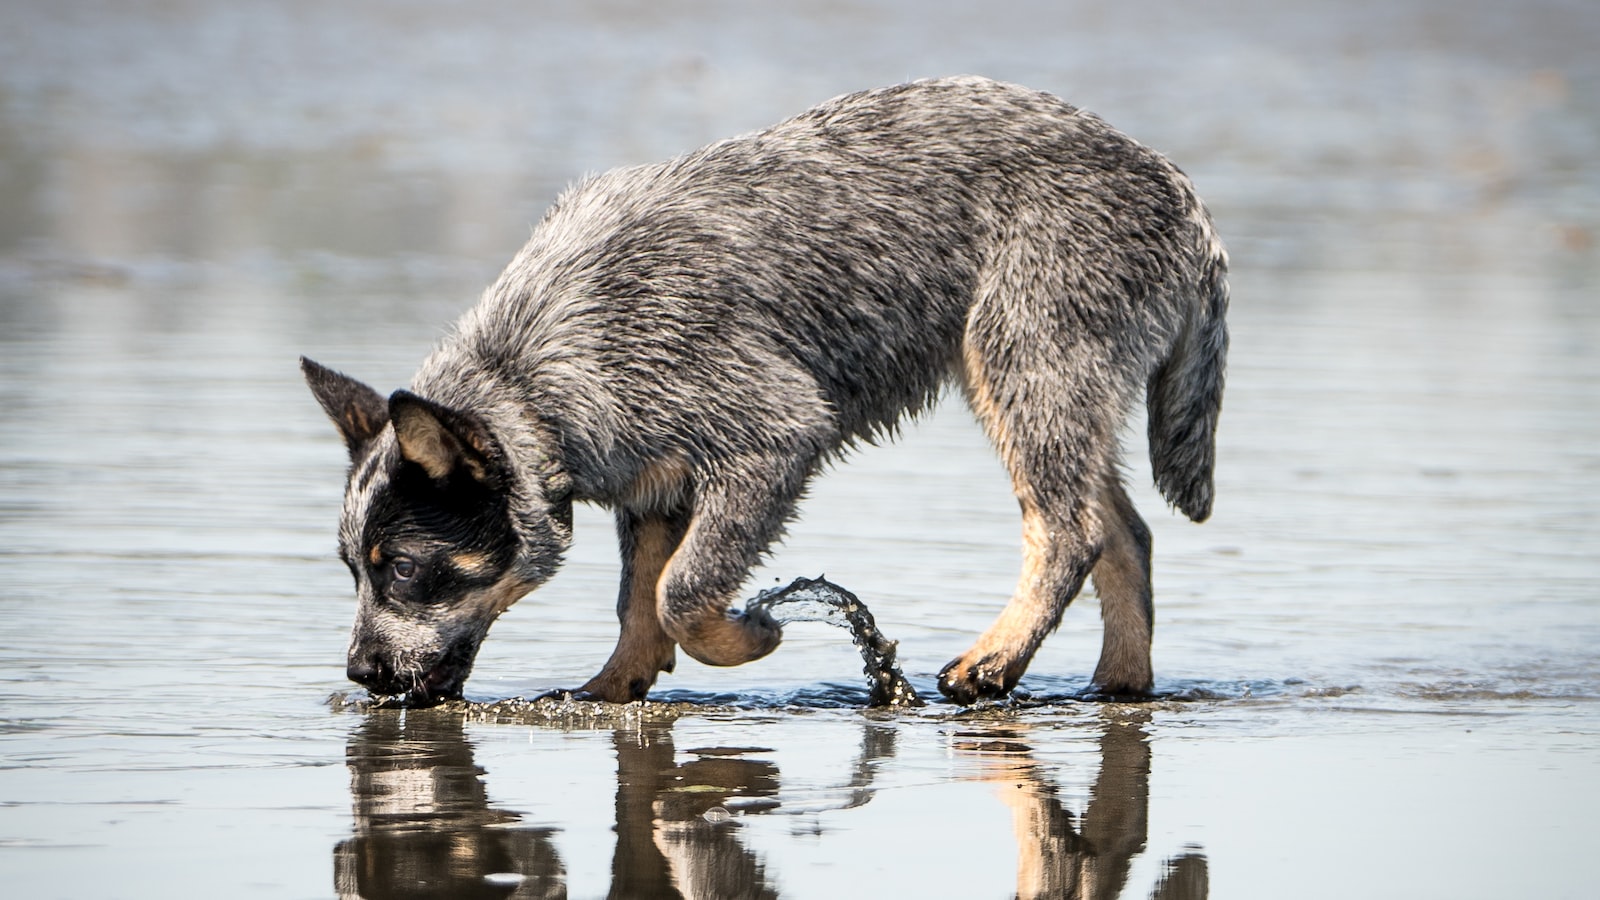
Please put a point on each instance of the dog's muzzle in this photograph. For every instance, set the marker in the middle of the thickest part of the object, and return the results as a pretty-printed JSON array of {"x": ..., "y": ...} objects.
[
  {"x": 442, "y": 682},
  {"x": 373, "y": 674}
]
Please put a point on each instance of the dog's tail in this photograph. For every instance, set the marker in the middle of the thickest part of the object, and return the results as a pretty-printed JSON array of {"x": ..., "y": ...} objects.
[{"x": 1184, "y": 396}]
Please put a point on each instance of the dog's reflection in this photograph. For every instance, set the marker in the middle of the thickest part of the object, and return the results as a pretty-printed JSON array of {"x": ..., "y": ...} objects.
[
  {"x": 1061, "y": 856},
  {"x": 675, "y": 832},
  {"x": 423, "y": 823},
  {"x": 424, "y": 826}
]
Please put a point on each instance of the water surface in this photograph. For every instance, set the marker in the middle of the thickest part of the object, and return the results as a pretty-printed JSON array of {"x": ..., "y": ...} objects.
[{"x": 1377, "y": 660}]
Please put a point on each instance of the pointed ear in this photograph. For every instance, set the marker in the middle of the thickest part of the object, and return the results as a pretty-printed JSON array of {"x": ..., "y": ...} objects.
[
  {"x": 356, "y": 410},
  {"x": 443, "y": 440}
]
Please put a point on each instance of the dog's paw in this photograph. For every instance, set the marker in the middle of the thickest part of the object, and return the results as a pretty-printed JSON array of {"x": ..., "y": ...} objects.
[
  {"x": 584, "y": 695},
  {"x": 1119, "y": 690},
  {"x": 631, "y": 671},
  {"x": 966, "y": 681},
  {"x": 731, "y": 639},
  {"x": 614, "y": 689},
  {"x": 560, "y": 695}
]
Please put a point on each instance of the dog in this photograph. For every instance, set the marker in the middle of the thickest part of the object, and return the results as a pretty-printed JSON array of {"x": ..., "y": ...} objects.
[{"x": 689, "y": 343}]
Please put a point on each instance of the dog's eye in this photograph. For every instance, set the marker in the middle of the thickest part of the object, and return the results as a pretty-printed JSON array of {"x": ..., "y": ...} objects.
[{"x": 403, "y": 569}]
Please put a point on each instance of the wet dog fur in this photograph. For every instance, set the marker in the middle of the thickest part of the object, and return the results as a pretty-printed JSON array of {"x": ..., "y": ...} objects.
[{"x": 688, "y": 343}]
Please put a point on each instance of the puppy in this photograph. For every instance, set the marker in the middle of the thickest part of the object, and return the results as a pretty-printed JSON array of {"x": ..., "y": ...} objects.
[{"x": 688, "y": 343}]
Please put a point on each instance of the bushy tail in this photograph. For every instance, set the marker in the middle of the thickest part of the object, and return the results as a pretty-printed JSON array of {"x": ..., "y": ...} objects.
[{"x": 1184, "y": 396}]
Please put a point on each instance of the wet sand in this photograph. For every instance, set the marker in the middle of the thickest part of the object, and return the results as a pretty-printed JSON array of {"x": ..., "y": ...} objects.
[{"x": 1376, "y": 662}]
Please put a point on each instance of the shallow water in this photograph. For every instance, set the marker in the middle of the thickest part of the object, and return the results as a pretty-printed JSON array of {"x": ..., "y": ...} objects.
[{"x": 1377, "y": 660}]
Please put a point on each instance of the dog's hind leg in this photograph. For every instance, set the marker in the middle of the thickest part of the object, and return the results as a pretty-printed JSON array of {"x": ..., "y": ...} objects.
[
  {"x": 643, "y": 649},
  {"x": 1122, "y": 579},
  {"x": 1059, "y": 547},
  {"x": 1051, "y": 407}
]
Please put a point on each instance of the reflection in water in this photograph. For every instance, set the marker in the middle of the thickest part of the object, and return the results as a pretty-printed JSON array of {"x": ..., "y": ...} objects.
[
  {"x": 675, "y": 834},
  {"x": 1060, "y": 857},
  {"x": 425, "y": 828}
]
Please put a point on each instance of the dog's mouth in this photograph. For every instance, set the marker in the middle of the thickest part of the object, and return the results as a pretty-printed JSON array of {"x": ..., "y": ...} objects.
[{"x": 441, "y": 682}]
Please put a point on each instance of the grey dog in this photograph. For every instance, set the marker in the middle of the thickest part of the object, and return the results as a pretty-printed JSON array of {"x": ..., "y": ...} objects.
[{"x": 688, "y": 343}]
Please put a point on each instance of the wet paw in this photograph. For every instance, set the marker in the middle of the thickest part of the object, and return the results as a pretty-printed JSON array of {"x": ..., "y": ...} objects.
[
  {"x": 730, "y": 640},
  {"x": 1123, "y": 675},
  {"x": 1119, "y": 689},
  {"x": 606, "y": 687},
  {"x": 968, "y": 682},
  {"x": 614, "y": 689},
  {"x": 559, "y": 694},
  {"x": 585, "y": 695},
  {"x": 630, "y": 673}
]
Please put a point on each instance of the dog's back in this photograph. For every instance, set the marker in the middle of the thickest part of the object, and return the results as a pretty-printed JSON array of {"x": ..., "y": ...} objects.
[{"x": 812, "y": 283}]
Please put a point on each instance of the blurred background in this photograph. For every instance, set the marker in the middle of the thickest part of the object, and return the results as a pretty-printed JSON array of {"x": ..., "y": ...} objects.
[{"x": 281, "y": 143}]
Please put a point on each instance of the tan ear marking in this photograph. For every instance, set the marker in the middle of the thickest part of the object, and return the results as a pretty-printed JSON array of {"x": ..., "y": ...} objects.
[{"x": 424, "y": 441}]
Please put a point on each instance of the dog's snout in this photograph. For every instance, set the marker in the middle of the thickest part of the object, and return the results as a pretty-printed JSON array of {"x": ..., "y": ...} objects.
[{"x": 369, "y": 672}]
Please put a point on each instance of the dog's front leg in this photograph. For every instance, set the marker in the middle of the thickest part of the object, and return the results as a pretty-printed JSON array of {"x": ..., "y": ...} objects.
[
  {"x": 644, "y": 650},
  {"x": 733, "y": 524}
]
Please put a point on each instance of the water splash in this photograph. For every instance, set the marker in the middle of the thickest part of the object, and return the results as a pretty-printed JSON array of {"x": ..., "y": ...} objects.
[{"x": 820, "y": 600}]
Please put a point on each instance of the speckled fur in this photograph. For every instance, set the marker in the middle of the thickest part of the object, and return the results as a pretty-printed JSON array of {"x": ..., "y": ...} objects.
[{"x": 690, "y": 342}]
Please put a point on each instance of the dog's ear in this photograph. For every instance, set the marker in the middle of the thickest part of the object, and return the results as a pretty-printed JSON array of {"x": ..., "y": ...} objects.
[
  {"x": 356, "y": 410},
  {"x": 443, "y": 440}
]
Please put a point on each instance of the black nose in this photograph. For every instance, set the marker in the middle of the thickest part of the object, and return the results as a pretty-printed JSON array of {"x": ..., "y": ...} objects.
[{"x": 369, "y": 672}]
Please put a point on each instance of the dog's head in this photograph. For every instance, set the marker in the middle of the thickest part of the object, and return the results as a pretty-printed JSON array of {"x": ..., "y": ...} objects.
[{"x": 441, "y": 530}]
